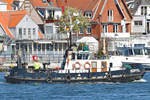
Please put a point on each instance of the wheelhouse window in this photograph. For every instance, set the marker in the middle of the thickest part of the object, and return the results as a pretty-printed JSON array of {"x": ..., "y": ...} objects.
[
  {"x": 147, "y": 51},
  {"x": 82, "y": 56},
  {"x": 105, "y": 28},
  {"x": 110, "y": 15},
  {"x": 138, "y": 52}
]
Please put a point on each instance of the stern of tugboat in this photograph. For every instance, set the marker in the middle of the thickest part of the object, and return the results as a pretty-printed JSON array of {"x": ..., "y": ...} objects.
[{"x": 135, "y": 69}]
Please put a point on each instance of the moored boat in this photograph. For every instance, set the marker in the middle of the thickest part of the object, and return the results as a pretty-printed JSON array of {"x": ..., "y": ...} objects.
[
  {"x": 139, "y": 55},
  {"x": 79, "y": 67}
]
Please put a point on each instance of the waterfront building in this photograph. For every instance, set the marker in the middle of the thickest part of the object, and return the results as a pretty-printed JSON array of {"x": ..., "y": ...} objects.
[
  {"x": 34, "y": 31},
  {"x": 110, "y": 19},
  {"x": 140, "y": 10}
]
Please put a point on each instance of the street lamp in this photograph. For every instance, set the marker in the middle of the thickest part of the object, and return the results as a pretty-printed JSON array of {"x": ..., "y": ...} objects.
[{"x": 69, "y": 36}]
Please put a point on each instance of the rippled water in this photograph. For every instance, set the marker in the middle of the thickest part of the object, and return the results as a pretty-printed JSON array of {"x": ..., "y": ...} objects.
[{"x": 139, "y": 90}]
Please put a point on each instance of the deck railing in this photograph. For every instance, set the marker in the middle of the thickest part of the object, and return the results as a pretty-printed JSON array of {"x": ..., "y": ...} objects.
[{"x": 28, "y": 58}]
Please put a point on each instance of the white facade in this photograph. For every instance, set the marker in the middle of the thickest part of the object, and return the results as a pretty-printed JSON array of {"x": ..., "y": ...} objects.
[
  {"x": 141, "y": 20},
  {"x": 138, "y": 24},
  {"x": 3, "y": 6},
  {"x": 25, "y": 29},
  {"x": 138, "y": 12}
]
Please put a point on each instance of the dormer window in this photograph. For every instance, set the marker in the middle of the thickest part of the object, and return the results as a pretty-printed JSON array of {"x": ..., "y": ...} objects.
[
  {"x": 51, "y": 3},
  {"x": 88, "y": 14},
  {"x": 44, "y": 1}
]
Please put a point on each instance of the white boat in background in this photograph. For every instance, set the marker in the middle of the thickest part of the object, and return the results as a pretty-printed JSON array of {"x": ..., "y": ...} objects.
[{"x": 139, "y": 55}]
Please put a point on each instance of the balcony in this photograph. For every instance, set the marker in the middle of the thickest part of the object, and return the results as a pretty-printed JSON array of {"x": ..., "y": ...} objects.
[
  {"x": 115, "y": 35},
  {"x": 56, "y": 36}
]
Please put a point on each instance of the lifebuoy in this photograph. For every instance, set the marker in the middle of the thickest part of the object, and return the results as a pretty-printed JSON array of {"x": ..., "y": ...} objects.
[
  {"x": 87, "y": 64},
  {"x": 77, "y": 65}
]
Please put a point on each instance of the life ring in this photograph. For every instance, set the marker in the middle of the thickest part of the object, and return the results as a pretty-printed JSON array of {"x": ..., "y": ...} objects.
[
  {"x": 87, "y": 64},
  {"x": 77, "y": 65}
]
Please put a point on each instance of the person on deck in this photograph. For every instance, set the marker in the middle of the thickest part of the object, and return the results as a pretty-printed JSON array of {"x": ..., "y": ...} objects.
[{"x": 36, "y": 65}]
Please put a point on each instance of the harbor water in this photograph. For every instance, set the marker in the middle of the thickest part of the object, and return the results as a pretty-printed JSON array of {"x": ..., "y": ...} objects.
[{"x": 138, "y": 90}]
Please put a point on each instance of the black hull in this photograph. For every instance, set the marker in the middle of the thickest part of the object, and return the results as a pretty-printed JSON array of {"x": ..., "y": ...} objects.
[{"x": 92, "y": 79}]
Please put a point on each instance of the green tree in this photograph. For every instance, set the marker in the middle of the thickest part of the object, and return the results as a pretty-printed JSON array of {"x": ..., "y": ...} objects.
[{"x": 73, "y": 20}]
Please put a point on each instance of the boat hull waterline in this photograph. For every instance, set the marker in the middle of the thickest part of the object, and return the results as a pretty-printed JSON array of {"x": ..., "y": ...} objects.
[{"x": 54, "y": 77}]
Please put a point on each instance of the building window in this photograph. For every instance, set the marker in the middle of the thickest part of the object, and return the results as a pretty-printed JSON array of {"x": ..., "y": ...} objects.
[
  {"x": 138, "y": 23},
  {"x": 143, "y": 10},
  {"x": 105, "y": 28},
  {"x": 89, "y": 30},
  {"x": 24, "y": 31},
  {"x": 29, "y": 32},
  {"x": 110, "y": 15},
  {"x": 49, "y": 29},
  {"x": 115, "y": 28},
  {"x": 20, "y": 32},
  {"x": 33, "y": 31},
  {"x": 81, "y": 30}
]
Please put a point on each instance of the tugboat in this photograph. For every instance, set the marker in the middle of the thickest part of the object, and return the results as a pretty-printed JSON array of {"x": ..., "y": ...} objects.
[{"x": 79, "y": 66}]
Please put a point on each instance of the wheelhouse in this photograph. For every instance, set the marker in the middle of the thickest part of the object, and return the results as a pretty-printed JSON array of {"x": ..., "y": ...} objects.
[{"x": 80, "y": 55}]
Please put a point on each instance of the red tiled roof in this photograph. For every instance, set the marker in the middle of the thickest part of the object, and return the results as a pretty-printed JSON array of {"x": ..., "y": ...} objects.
[
  {"x": 39, "y": 3},
  {"x": 84, "y": 5},
  {"x": 78, "y": 4},
  {"x": 15, "y": 19},
  {"x": 96, "y": 6},
  {"x": 11, "y": 19}
]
